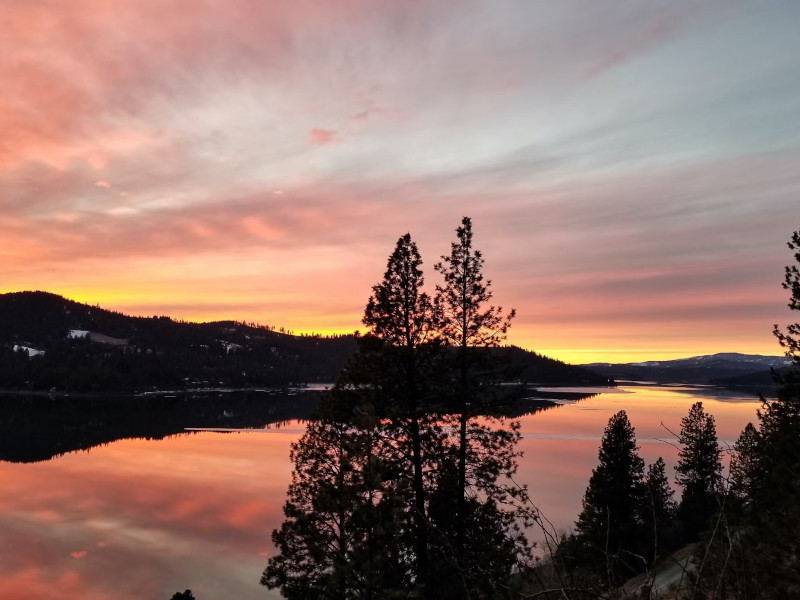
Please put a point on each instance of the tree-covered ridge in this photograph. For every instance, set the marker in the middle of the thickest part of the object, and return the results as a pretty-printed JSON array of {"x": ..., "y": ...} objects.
[{"x": 111, "y": 352}]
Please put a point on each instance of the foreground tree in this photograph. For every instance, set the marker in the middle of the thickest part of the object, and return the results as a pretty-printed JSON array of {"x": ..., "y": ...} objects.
[
  {"x": 744, "y": 464},
  {"x": 699, "y": 470},
  {"x": 400, "y": 316},
  {"x": 471, "y": 325},
  {"x": 771, "y": 531},
  {"x": 754, "y": 552},
  {"x": 370, "y": 512},
  {"x": 659, "y": 512},
  {"x": 340, "y": 537},
  {"x": 609, "y": 527}
]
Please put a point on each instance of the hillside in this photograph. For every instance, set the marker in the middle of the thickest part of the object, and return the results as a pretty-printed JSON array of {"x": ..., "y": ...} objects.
[
  {"x": 48, "y": 342},
  {"x": 707, "y": 369},
  {"x": 84, "y": 348}
]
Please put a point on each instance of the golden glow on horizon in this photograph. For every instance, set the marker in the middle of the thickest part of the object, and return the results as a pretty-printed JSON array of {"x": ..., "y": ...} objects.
[{"x": 621, "y": 346}]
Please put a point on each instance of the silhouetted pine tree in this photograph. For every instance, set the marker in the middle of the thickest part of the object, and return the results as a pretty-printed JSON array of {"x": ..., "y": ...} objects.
[
  {"x": 699, "y": 470},
  {"x": 471, "y": 325},
  {"x": 744, "y": 464},
  {"x": 609, "y": 528},
  {"x": 342, "y": 537},
  {"x": 771, "y": 531},
  {"x": 658, "y": 512},
  {"x": 368, "y": 506},
  {"x": 400, "y": 315}
]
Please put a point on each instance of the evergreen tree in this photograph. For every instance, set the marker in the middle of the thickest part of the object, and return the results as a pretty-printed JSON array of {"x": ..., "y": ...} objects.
[
  {"x": 659, "y": 511},
  {"x": 370, "y": 511},
  {"x": 771, "y": 533},
  {"x": 402, "y": 321},
  {"x": 744, "y": 463},
  {"x": 470, "y": 324},
  {"x": 609, "y": 527},
  {"x": 755, "y": 551},
  {"x": 699, "y": 470},
  {"x": 342, "y": 537},
  {"x": 790, "y": 339}
]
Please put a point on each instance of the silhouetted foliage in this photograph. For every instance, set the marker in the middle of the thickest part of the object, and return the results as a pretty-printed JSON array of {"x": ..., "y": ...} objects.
[
  {"x": 401, "y": 316},
  {"x": 115, "y": 353},
  {"x": 744, "y": 463},
  {"x": 768, "y": 471},
  {"x": 375, "y": 519},
  {"x": 341, "y": 537},
  {"x": 470, "y": 325},
  {"x": 753, "y": 551},
  {"x": 185, "y": 595},
  {"x": 699, "y": 470},
  {"x": 659, "y": 512},
  {"x": 610, "y": 526}
]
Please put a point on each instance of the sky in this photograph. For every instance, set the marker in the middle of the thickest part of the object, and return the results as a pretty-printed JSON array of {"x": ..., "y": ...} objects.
[{"x": 631, "y": 168}]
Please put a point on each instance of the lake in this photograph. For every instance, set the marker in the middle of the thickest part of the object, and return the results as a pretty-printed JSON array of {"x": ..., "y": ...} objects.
[{"x": 144, "y": 518}]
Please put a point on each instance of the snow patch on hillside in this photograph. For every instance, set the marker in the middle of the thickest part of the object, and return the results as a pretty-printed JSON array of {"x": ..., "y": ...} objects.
[{"x": 28, "y": 350}]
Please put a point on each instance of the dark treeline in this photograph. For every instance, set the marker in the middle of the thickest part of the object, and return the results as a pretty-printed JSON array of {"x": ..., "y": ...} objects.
[{"x": 125, "y": 354}]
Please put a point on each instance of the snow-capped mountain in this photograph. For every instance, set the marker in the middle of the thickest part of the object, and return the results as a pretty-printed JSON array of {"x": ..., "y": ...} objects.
[{"x": 695, "y": 369}]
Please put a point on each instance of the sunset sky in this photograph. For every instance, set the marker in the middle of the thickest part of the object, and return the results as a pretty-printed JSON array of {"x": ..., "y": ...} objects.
[{"x": 632, "y": 169}]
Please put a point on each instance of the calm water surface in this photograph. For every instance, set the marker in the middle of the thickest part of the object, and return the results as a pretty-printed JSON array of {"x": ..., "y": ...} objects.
[{"x": 142, "y": 519}]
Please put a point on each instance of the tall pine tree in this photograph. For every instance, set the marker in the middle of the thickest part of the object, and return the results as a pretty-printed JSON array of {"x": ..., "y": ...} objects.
[
  {"x": 470, "y": 324},
  {"x": 400, "y": 316},
  {"x": 610, "y": 525},
  {"x": 699, "y": 470}
]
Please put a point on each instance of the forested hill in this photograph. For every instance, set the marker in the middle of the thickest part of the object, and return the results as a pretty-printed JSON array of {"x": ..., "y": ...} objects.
[
  {"x": 47, "y": 341},
  {"x": 76, "y": 347}
]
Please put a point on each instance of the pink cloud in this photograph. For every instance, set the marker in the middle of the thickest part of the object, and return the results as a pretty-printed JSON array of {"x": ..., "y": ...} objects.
[
  {"x": 78, "y": 554},
  {"x": 103, "y": 184},
  {"x": 374, "y": 112},
  {"x": 320, "y": 137}
]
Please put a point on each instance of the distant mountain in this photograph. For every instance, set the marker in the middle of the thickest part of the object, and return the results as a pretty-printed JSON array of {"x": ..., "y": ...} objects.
[
  {"x": 707, "y": 369},
  {"x": 48, "y": 342}
]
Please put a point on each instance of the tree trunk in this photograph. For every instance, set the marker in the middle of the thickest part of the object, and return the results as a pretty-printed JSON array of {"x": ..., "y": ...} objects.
[{"x": 420, "y": 521}]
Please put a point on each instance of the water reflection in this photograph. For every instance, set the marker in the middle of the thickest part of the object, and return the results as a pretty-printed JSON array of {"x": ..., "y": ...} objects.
[
  {"x": 560, "y": 446},
  {"x": 143, "y": 518},
  {"x": 34, "y": 428}
]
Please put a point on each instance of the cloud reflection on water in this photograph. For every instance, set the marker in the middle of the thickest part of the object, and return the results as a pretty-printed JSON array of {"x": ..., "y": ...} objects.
[{"x": 146, "y": 518}]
